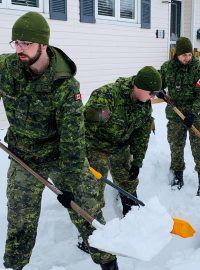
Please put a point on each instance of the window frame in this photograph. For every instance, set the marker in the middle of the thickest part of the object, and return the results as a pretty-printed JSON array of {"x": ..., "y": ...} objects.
[
  {"x": 117, "y": 13},
  {"x": 8, "y": 4}
]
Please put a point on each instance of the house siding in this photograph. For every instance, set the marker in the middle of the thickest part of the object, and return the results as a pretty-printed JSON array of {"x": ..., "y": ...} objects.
[
  {"x": 102, "y": 51},
  {"x": 196, "y": 24}
]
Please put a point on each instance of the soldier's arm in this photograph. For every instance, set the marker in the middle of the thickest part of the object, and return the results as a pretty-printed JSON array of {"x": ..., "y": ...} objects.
[
  {"x": 70, "y": 124},
  {"x": 2, "y": 69},
  {"x": 139, "y": 142},
  {"x": 100, "y": 104},
  {"x": 163, "y": 71},
  {"x": 196, "y": 104}
]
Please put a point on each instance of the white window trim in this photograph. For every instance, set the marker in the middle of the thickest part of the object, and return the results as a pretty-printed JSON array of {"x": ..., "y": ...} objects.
[
  {"x": 117, "y": 13},
  {"x": 8, "y": 4}
]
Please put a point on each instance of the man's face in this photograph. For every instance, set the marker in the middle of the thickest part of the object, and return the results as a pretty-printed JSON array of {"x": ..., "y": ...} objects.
[
  {"x": 27, "y": 52},
  {"x": 185, "y": 58},
  {"x": 142, "y": 95}
]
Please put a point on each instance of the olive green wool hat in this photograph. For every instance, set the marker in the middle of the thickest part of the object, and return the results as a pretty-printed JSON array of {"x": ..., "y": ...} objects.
[
  {"x": 183, "y": 45},
  {"x": 31, "y": 27},
  {"x": 149, "y": 79}
]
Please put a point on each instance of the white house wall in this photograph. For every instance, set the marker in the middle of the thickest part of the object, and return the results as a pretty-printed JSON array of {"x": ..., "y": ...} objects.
[
  {"x": 196, "y": 23},
  {"x": 102, "y": 51},
  {"x": 187, "y": 18}
]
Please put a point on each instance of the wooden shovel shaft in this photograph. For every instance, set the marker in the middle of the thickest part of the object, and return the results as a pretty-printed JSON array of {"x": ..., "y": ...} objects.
[
  {"x": 96, "y": 224},
  {"x": 180, "y": 114},
  {"x": 53, "y": 188}
]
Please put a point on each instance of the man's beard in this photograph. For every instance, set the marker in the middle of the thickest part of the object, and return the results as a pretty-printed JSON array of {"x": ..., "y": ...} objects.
[{"x": 31, "y": 60}]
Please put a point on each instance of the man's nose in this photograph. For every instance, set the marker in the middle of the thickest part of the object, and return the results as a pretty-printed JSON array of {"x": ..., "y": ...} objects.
[{"x": 19, "y": 49}]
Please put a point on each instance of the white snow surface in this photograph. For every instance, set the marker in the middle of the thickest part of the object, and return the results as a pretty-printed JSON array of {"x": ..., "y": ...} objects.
[
  {"x": 133, "y": 235},
  {"x": 57, "y": 237}
]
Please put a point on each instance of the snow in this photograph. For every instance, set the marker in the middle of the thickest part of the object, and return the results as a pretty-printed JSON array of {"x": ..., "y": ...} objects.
[
  {"x": 133, "y": 235},
  {"x": 56, "y": 249}
]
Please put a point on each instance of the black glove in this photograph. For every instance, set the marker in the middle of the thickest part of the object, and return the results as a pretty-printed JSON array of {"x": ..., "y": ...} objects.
[
  {"x": 161, "y": 94},
  {"x": 189, "y": 119},
  {"x": 133, "y": 173},
  {"x": 66, "y": 198}
]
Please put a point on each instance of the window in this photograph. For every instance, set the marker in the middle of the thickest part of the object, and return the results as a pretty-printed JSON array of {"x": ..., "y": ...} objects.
[
  {"x": 27, "y": 5},
  {"x": 106, "y": 7},
  {"x": 30, "y": 3},
  {"x": 117, "y": 9}
]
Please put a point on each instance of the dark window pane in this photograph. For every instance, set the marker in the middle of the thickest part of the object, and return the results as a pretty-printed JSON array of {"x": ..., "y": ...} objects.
[
  {"x": 29, "y": 3},
  {"x": 127, "y": 9},
  {"x": 106, "y": 8}
]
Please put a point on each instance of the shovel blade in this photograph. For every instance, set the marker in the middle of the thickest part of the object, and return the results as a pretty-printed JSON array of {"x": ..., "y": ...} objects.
[{"x": 182, "y": 228}]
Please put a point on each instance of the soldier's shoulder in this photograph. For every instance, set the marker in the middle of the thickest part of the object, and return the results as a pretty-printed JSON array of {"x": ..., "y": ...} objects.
[
  {"x": 166, "y": 64},
  {"x": 3, "y": 59}
]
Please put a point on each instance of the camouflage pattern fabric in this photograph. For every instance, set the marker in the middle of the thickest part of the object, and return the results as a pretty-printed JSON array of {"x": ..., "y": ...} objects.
[
  {"x": 122, "y": 137},
  {"x": 119, "y": 165},
  {"x": 24, "y": 194},
  {"x": 184, "y": 90},
  {"x": 177, "y": 134},
  {"x": 46, "y": 120},
  {"x": 129, "y": 122},
  {"x": 181, "y": 81}
]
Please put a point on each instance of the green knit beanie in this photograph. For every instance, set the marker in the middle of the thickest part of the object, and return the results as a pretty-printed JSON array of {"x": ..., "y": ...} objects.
[
  {"x": 31, "y": 27},
  {"x": 183, "y": 45},
  {"x": 149, "y": 79}
]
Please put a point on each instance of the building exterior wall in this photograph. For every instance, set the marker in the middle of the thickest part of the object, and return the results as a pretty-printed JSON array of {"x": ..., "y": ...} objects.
[
  {"x": 186, "y": 20},
  {"x": 196, "y": 23},
  {"x": 105, "y": 50}
]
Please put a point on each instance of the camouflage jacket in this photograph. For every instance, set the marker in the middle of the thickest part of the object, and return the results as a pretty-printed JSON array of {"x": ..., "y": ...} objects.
[
  {"x": 183, "y": 86},
  {"x": 45, "y": 112},
  {"x": 128, "y": 124}
]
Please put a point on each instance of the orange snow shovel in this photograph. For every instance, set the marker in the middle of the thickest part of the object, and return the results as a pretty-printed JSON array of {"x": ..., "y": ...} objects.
[{"x": 180, "y": 227}]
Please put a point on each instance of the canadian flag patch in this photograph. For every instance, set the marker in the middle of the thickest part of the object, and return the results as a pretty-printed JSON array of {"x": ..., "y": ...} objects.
[
  {"x": 198, "y": 83},
  {"x": 77, "y": 96}
]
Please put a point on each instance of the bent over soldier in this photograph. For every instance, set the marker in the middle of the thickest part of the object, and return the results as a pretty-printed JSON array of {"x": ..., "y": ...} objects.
[
  {"x": 45, "y": 113},
  {"x": 118, "y": 124},
  {"x": 181, "y": 76}
]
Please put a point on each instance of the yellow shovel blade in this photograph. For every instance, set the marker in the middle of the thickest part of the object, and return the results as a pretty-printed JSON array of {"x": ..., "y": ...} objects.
[{"x": 182, "y": 228}]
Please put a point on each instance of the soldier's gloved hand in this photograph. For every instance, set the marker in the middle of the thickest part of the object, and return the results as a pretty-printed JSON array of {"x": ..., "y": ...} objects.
[
  {"x": 189, "y": 119},
  {"x": 161, "y": 94},
  {"x": 133, "y": 173},
  {"x": 66, "y": 198}
]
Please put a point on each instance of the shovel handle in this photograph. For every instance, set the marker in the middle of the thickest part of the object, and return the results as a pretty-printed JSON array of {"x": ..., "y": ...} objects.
[
  {"x": 53, "y": 188},
  {"x": 179, "y": 113},
  {"x": 99, "y": 177}
]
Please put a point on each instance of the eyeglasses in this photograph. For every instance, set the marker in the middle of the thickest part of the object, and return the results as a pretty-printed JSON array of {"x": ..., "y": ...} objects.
[
  {"x": 24, "y": 45},
  {"x": 152, "y": 93}
]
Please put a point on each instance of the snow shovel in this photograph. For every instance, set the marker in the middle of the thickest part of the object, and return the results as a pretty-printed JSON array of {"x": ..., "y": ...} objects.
[
  {"x": 96, "y": 224},
  {"x": 98, "y": 176},
  {"x": 167, "y": 99},
  {"x": 180, "y": 227}
]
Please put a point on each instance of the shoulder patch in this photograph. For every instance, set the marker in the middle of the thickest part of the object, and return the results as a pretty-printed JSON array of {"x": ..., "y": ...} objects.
[{"x": 77, "y": 97}]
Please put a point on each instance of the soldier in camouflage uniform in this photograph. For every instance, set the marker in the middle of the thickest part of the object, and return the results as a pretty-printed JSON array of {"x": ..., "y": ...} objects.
[
  {"x": 45, "y": 113},
  {"x": 181, "y": 76},
  {"x": 118, "y": 125}
]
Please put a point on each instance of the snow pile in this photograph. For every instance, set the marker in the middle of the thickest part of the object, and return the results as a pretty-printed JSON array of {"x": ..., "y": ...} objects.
[{"x": 140, "y": 234}]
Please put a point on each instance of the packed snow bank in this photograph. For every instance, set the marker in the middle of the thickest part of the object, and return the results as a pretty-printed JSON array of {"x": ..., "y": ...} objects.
[{"x": 140, "y": 234}]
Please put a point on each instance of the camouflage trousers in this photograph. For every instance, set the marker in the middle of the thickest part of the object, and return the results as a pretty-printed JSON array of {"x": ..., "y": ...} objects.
[
  {"x": 24, "y": 194},
  {"x": 177, "y": 134},
  {"x": 119, "y": 165}
]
